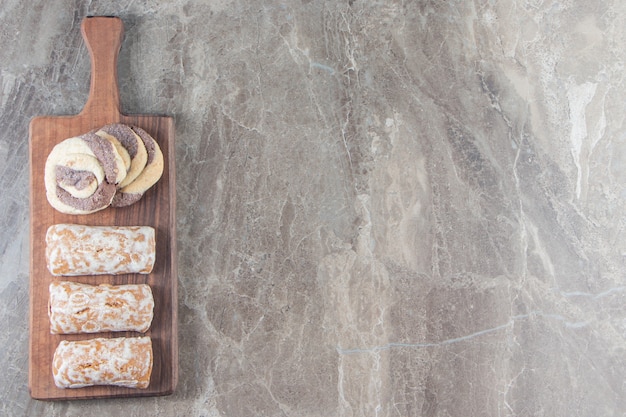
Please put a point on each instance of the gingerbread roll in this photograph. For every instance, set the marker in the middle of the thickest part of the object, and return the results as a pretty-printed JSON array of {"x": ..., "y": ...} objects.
[
  {"x": 122, "y": 361},
  {"x": 73, "y": 249},
  {"x": 82, "y": 308}
]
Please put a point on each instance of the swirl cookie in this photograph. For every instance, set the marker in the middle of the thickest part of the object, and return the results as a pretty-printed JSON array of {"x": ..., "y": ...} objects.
[
  {"x": 114, "y": 165},
  {"x": 132, "y": 144},
  {"x": 82, "y": 173},
  {"x": 150, "y": 174}
]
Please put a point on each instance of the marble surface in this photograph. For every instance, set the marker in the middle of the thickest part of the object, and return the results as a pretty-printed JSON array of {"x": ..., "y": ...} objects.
[{"x": 384, "y": 208}]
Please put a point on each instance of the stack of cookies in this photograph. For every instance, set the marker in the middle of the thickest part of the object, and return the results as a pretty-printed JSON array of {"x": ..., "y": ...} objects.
[{"x": 111, "y": 166}]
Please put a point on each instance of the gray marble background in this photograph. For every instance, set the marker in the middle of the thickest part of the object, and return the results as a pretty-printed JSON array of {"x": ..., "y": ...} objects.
[{"x": 384, "y": 208}]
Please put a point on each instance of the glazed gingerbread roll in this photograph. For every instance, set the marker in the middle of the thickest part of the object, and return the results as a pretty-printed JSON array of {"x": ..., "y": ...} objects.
[
  {"x": 73, "y": 249},
  {"x": 122, "y": 361},
  {"x": 82, "y": 308}
]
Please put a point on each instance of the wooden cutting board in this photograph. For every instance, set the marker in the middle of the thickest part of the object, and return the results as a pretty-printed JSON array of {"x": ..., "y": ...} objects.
[{"x": 103, "y": 36}]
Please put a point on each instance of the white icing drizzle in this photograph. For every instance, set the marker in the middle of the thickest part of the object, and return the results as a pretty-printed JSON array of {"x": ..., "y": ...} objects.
[
  {"x": 82, "y": 308},
  {"x": 92, "y": 250},
  {"x": 119, "y": 361}
]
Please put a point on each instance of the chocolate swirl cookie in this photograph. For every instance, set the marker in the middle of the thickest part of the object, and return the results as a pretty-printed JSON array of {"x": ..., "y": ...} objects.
[
  {"x": 82, "y": 173},
  {"x": 132, "y": 144},
  {"x": 114, "y": 165},
  {"x": 132, "y": 191}
]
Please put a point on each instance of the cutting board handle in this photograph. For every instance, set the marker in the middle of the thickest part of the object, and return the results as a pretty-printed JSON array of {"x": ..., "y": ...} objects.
[{"x": 103, "y": 36}]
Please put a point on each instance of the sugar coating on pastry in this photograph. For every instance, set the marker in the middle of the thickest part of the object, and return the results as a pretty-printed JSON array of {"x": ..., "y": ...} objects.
[
  {"x": 73, "y": 249},
  {"x": 82, "y": 308},
  {"x": 123, "y": 361}
]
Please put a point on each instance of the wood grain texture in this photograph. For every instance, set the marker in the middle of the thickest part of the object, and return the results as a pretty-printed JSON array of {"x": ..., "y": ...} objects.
[{"x": 103, "y": 36}]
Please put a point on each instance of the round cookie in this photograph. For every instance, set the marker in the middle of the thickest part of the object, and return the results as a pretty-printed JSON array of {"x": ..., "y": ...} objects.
[
  {"x": 132, "y": 143},
  {"x": 81, "y": 174},
  {"x": 151, "y": 173},
  {"x": 113, "y": 162}
]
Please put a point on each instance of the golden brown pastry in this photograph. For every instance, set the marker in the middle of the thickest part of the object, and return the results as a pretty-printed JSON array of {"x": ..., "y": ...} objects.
[
  {"x": 82, "y": 308},
  {"x": 121, "y": 361},
  {"x": 73, "y": 249}
]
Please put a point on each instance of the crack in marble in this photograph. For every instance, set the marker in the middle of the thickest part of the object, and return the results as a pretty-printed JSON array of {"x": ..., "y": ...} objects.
[
  {"x": 455, "y": 340},
  {"x": 595, "y": 296}
]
